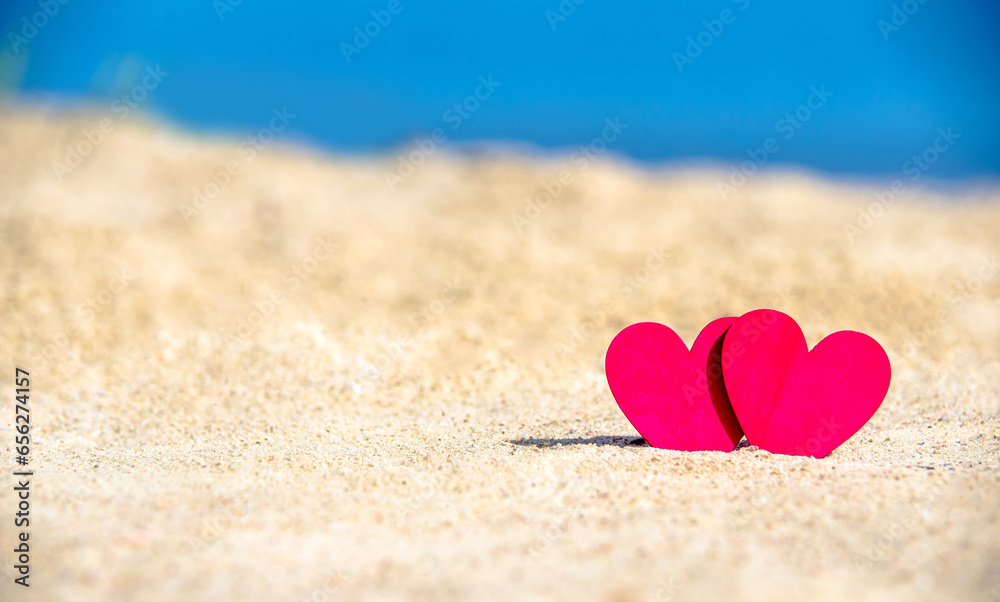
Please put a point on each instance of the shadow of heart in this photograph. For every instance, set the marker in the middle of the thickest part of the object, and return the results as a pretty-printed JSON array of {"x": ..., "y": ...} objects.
[{"x": 619, "y": 441}]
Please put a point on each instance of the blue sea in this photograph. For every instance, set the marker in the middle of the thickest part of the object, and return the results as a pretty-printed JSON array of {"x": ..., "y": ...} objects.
[{"x": 857, "y": 87}]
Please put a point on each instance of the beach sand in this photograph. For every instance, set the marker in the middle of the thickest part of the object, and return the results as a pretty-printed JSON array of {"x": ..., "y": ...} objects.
[{"x": 312, "y": 387}]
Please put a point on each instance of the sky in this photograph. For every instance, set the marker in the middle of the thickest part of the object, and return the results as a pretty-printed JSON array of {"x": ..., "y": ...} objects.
[{"x": 857, "y": 87}]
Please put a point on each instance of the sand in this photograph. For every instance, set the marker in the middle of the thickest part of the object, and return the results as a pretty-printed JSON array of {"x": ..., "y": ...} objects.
[{"x": 312, "y": 387}]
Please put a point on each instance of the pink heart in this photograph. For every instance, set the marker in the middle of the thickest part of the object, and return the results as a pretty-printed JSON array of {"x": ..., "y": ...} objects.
[
  {"x": 793, "y": 401},
  {"x": 675, "y": 398}
]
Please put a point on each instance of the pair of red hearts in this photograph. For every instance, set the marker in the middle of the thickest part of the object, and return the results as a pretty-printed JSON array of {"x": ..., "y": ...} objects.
[{"x": 752, "y": 376}]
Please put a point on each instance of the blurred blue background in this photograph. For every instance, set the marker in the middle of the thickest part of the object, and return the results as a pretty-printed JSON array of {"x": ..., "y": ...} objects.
[{"x": 687, "y": 88}]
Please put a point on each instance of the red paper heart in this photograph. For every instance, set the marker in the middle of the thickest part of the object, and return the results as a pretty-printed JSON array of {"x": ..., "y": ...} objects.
[
  {"x": 793, "y": 401},
  {"x": 675, "y": 398}
]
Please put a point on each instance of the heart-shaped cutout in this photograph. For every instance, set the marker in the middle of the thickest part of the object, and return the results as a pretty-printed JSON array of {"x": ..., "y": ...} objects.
[
  {"x": 790, "y": 400},
  {"x": 675, "y": 398}
]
